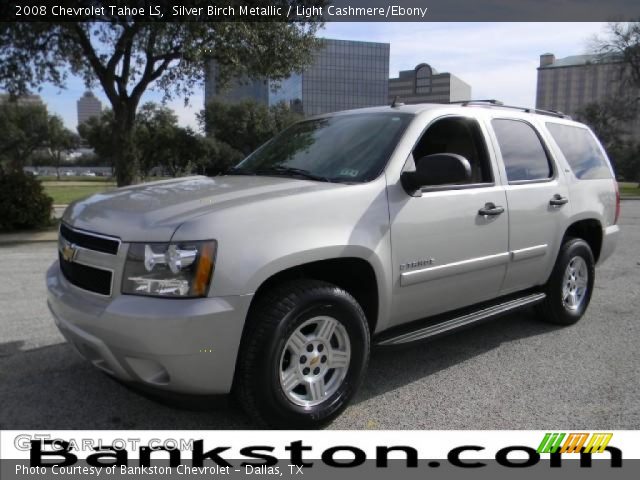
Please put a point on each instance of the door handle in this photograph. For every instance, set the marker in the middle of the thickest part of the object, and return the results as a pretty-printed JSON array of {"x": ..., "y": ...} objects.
[
  {"x": 490, "y": 209},
  {"x": 558, "y": 200}
]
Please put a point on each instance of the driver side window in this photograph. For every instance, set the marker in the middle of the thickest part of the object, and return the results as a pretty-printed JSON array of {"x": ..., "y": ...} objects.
[{"x": 461, "y": 136}]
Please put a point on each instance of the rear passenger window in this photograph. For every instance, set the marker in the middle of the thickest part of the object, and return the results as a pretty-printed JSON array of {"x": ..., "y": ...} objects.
[
  {"x": 581, "y": 151},
  {"x": 524, "y": 156}
]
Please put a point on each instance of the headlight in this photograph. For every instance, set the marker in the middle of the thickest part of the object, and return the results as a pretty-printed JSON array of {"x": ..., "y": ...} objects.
[{"x": 169, "y": 270}]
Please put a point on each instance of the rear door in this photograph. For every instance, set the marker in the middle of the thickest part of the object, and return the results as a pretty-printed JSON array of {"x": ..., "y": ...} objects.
[{"x": 537, "y": 198}]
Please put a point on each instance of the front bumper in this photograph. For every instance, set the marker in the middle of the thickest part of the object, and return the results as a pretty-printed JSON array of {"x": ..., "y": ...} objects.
[
  {"x": 610, "y": 237},
  {"x": 181, "y": 345}
]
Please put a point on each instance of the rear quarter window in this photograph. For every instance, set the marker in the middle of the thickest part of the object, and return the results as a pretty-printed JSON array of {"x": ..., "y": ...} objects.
[{"x": 581, "y": 151}]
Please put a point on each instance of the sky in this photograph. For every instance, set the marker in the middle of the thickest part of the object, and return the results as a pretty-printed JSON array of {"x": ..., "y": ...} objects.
[{"x": 498, "y": 60}]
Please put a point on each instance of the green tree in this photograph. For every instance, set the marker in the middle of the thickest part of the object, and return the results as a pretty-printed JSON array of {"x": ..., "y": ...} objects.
[
  {"x": 60, "y": 141},
  {"x": 184, "y": 154},
  {"x": 283, "y": 116},
  {"x": 96, "y": 132},
  {"x": 628, "y": 163},
  {"x": 610, "y": 119},
  {"x": 622, "y": 40},
  {"x": 610, "y": 116},
  {"x": 23, "y": 201},
  {"x": 159, "y": 141},
  {"x": 126, "y": 57},
  {"x": 154, "y": 134},
  {"x": 23, "y": 130},
  {"x": 245, "y": 125},
  {"x": 219, "y": 156}
]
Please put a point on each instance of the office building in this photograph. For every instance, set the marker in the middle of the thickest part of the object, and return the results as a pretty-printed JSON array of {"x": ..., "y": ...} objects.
[
  {"x": 569, "y": 84},
  {"x": 88, "y": 106},
  {"x": 424, "y": 84},
  {"x": 343, "y": 75}
]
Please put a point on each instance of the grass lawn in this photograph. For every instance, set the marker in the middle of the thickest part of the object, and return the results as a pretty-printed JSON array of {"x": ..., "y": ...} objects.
[
  {"x": 68, "y": 189},
  {"x": 628, "y": 189},
  {"x": 76, "y": 178},
  {"x": 65, "y": 194}
]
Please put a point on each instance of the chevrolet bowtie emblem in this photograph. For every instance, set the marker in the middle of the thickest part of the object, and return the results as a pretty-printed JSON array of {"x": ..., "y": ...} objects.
[{"x": 69, "y": 252}]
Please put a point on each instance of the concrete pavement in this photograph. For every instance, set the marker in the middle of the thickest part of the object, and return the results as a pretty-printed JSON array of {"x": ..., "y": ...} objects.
[{"x": 512, "y": 373}]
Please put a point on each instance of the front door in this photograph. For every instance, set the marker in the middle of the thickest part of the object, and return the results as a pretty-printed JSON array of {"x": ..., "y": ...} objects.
[{"x": 449, "y": 244}]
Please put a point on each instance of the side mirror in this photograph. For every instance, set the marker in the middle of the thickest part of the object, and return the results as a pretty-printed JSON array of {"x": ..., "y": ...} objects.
[{"x": 436, "y": 169}]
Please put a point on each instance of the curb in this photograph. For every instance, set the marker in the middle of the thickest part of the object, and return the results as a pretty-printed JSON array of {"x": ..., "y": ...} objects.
[
  {"x": 623, "y": 198},
  {"x": 29, "y": 237}
]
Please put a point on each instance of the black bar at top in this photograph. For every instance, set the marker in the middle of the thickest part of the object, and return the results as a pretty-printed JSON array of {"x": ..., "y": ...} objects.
[{"x": 321, "y": 10}]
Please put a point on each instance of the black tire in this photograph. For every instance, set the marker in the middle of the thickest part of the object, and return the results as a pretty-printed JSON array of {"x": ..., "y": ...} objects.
[
  {"x": 274, "y": 317},
  {"x": 554, "y": 309}
]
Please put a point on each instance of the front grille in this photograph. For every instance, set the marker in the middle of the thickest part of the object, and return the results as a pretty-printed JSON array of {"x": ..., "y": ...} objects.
[
  {"x": 88, "y": 278},
  {"x": 89, "y": 241}
]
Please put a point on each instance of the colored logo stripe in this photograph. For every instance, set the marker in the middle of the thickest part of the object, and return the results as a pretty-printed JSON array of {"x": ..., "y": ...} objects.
[
  {"x": 574, "y": 442},
  {"x": 598, "y": 442},
  {"x": 551, "y": 442}
]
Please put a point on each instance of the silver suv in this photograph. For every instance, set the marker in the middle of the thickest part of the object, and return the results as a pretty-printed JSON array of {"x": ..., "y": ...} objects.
[{"x": 378, "y": 226}]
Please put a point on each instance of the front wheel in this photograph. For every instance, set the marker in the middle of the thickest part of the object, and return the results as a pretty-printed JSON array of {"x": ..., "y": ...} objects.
[
  {"x": 304, "y": 354},
  {"x": 570, "y": 285}
]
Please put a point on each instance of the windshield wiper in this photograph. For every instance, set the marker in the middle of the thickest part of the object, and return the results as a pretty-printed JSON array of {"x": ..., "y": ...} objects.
[
  {"x": 290, "y": 171},
  {"x": 279, "y": 170},
  {"x": 296, "y": 171}
]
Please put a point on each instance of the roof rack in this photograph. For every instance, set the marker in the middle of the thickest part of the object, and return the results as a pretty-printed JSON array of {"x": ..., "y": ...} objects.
[
  {"x": 491, "y": 101},
  {"x": 498, "y": 103},
  {"x": 396, "y": 102}
]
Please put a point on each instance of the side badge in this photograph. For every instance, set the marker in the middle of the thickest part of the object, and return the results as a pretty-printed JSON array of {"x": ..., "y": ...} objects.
[{"x": 417, "y": 264}]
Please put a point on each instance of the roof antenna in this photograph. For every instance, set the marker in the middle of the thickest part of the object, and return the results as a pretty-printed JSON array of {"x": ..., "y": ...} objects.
[{"x": 395, "y": 102}]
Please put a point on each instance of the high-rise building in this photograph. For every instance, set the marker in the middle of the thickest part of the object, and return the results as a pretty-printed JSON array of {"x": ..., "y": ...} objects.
[
  {"x": 424, "y": 84},
  {"x": 88, "y": 106},
  {"x": 569, "y": 84},
  {"x": 344, "y": 74}
]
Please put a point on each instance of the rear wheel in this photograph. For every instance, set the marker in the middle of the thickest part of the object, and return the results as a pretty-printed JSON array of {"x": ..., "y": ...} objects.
[
  {"x": 303, "y": 356},
  {"x": 570, "y": 285}
]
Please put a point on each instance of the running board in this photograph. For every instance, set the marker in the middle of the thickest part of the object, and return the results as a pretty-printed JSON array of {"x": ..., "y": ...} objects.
[{"x": 463, "y": 320}]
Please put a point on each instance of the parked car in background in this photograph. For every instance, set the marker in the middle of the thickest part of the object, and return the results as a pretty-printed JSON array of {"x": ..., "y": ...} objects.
[{"x": 380, "y": 226}]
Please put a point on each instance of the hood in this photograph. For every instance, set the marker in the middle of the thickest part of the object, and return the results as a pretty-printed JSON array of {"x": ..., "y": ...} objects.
[{"x": 152, "y": 212}]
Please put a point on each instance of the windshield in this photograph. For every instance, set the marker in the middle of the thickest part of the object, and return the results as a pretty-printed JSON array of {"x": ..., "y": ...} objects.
[{"x": 343, "y": 148}]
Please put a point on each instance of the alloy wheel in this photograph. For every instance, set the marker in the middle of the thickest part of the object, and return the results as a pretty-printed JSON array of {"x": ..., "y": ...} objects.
[{"x": 314, "y": 361}]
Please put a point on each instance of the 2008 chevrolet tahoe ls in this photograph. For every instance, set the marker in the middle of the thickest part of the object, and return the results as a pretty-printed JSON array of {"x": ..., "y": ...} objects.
[{"x": 376, "y": 226}]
